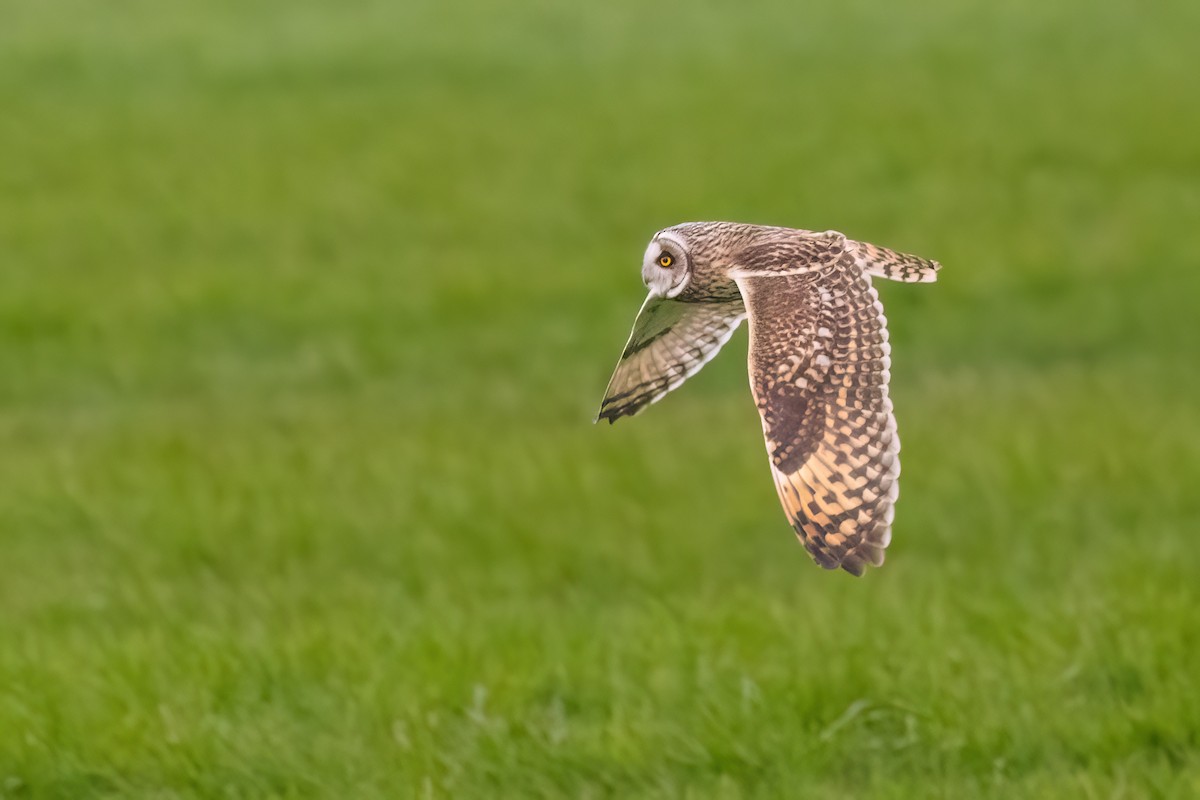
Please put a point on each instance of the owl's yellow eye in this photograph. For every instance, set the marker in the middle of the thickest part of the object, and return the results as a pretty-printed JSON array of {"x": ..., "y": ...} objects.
[{"x": 665, "y": 260}]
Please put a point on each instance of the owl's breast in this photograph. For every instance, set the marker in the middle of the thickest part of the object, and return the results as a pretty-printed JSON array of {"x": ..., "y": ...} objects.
[{"x": 706, "y": 287}]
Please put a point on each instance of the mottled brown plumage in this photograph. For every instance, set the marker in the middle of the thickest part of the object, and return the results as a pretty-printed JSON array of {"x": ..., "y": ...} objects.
[{"x": 818, "y": 363}]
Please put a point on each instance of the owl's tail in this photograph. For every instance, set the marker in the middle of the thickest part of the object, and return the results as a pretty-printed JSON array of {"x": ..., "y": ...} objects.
[{"x": 885, "y": 263}]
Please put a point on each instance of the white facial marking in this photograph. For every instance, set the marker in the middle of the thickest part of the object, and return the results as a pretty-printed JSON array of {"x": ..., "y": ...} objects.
[{"x": 665, "y": 281}]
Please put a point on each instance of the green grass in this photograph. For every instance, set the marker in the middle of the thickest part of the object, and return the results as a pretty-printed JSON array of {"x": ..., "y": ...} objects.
[{"x": 305, "y": 310}]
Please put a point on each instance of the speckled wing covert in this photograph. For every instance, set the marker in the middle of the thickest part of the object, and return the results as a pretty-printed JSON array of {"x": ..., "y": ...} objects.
[
  {"x": 818, "y": 364},
  {"x": 670, "y": 342}
]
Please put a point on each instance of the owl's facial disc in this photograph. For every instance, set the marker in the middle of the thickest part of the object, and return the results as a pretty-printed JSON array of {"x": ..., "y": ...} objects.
[{"x": 665, "y": 266}]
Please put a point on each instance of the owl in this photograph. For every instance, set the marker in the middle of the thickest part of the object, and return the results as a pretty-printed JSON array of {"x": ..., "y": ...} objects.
[{"x": 818, "y": 364}]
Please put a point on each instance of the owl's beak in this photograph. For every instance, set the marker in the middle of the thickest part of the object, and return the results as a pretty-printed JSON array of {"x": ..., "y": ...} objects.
[
  {"x": 659, "y": 281},
  {"x": 653, "y": 280}
]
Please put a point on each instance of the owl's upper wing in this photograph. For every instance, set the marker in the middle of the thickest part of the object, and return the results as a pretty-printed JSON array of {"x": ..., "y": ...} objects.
[
  {"x": 884, "y": 263},
  {"x": 670, "y": 342},
  {"x": 819, "y": 373}
]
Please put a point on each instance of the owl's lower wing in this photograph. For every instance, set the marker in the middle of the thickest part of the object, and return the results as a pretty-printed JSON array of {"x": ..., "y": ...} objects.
[
  {"x": 670, "y": 342},
  {"x": 819, "y": 373}
]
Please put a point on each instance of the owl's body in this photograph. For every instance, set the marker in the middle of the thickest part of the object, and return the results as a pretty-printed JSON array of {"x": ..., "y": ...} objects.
[{"x": 818, "y": 364}]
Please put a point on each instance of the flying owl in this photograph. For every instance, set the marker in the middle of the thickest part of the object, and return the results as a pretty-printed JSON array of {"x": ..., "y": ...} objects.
[{"x": 818, "y": 364}]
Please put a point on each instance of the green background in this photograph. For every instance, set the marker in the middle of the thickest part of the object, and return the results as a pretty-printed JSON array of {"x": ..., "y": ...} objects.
[{"x": 306, "y": 309}]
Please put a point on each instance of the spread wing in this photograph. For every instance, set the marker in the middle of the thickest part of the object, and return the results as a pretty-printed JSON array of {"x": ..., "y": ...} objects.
[
  {"x": 819, "y": 373},
  {"x": 884, "y": 263},
  {"x": 670, "y": 342}
]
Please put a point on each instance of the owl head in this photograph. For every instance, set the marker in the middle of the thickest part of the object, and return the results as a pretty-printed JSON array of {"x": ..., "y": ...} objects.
[
  {"x": 666, "y": 267},
  {"x": 694, "y": 258}
]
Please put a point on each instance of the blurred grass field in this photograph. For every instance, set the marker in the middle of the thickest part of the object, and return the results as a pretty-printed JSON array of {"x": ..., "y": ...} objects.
[{"x": 305, "y": 311}]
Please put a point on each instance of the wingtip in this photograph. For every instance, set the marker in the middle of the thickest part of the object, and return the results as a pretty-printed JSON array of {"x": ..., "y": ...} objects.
[{"x": 605, "y": 415}]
